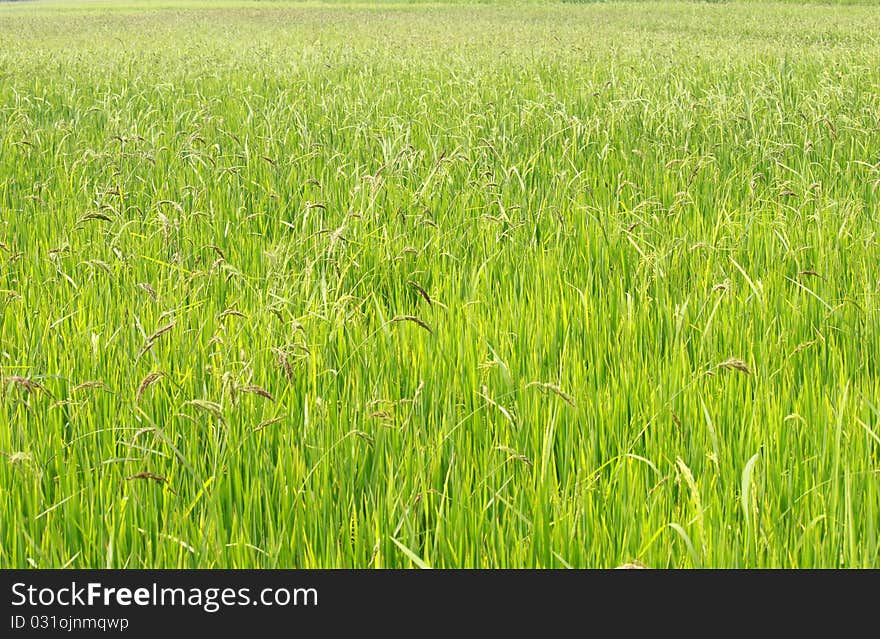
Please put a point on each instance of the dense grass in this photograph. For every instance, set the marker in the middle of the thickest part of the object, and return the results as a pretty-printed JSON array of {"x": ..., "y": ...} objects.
[{"x": 454, "y": 286}]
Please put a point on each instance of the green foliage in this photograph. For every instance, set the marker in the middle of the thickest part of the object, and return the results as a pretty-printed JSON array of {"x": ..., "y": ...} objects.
[{"x": 481, "y": 286}]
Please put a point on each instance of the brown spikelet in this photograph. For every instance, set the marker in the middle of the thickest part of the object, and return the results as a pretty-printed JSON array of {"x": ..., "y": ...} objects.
[
  {"x": 810, "y": 273},
  {"x": 230, "y": 312},
  {"x": 414, "y": 320},
  {"x": 149, "y": 289},
  {"x": 383, "y": 416},
  {"x": 553, "y": 388},
  {"x": 514, "y": 455},
  {"x": 95, "y": 216},
  {"x": 146, "y": 348},
  {"x": 217, "y": 250},
  {"x": 152, "y": 476},
  {"x": 212, "y": 408},
  {"x": 507, "y": 414},
  {"x": 146, "y": 382},
  {"x": 89, "y": 385},
  {"x": 675, "y": 419},
  {"x": 161, "y": 331},
  {"x": 735, "y": 364},
  {"x": 802, "y": 346},
  {"x": 422, "y": 292},
  {"x": 268, "y": 422},
  {"x": 284, "y": 362},
  {"x": 256, "y": 390},
  {"x": 65, "y": 402},
  {"x": 25, "y": 383}
]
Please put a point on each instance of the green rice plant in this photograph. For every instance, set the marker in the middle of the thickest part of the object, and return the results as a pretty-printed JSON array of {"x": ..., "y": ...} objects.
[{"x": 439, "y": 285}]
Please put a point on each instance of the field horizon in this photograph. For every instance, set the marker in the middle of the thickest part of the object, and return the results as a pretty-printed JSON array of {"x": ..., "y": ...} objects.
[{"x": 439, "y": 285}]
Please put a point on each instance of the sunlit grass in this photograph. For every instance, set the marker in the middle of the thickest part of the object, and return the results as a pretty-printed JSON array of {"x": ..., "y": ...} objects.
[{"x": 480, "y": 286}]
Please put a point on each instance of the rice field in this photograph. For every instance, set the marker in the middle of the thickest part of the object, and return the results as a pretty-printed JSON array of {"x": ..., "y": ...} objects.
[{"x": 439, "y": 285}]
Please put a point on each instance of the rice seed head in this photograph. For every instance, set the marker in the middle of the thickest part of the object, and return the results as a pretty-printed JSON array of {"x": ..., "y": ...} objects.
[
  {"x": 217, "y": 250},
  {"x": 149, "y": 289},
  {"x": 803, "y": 346},
  {"x": 212, "y": 408},
  {"x": 151, "y": 476},
  {"x": 736, "y": 364},
  {"x": 268, "y": 423},
  {"x": 25, "y": 383},
  {"x": 230, "y": 312},
  {"x": 146, "y": 382},
  {"x": 257, "y": 390},
  {"x": 161, "y": 331},
  {"x": 421, "y": 291},
  {"x": 95, "y": 216},
  {"x": 20, "y": 458},
  {"x": 553, "y": 388},
  {"x": 89, "y": 385},
  {"x": 414, "y": 320}
]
